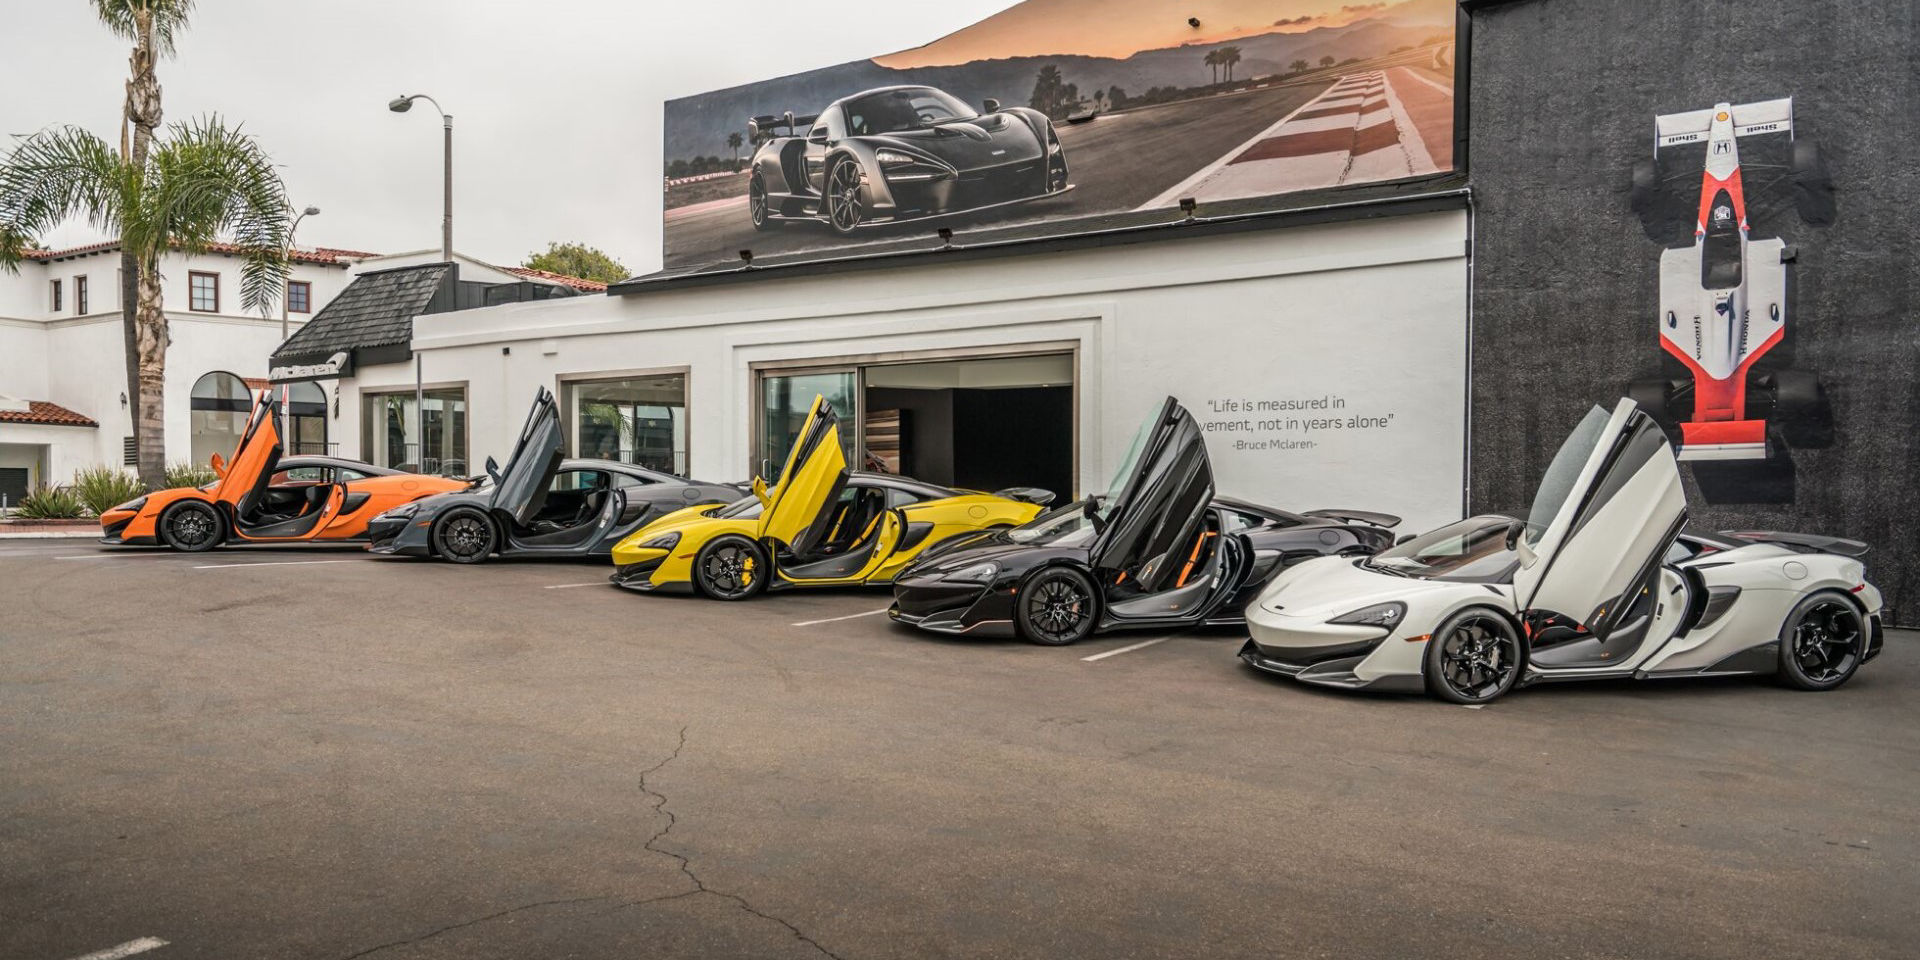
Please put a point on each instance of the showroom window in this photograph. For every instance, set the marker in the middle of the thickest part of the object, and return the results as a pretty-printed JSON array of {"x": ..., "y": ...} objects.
[
  {"x": 636, "y": 419},
  {"x": 218, "y": 409},
  {"x": 390, "y": 431}
]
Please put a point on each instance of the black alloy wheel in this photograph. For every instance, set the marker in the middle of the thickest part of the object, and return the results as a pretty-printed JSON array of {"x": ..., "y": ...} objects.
[
  {"x": 191, "y": 527},
  {"x": 757, "y": 201},
  {"x": 731, "y": 568},
  {"x": 1474, "y": 657},
  {"x": 1056, "y": 608},
  {"x": 464, "y": 536},
  {"x": 843, "y": 197},
  {"x": 1822, "y": 643}
]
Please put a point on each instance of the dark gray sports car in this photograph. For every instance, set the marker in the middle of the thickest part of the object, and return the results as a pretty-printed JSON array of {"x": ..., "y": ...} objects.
[
  {"x": 540, "y": 504},
  {"x": 900, "y": 153}
]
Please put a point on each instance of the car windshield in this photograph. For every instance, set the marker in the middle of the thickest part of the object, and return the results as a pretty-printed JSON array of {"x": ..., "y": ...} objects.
[
  {"x": 1066, "y": 526},
  {"x": 1473, "y": 550},
  {"x": 1561, "y": 474},
  {"x": 746, "y": 508},
  {"x": 912, "y": 108}
]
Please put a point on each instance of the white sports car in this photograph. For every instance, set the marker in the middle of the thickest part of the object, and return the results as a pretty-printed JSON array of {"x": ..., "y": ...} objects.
[{"x": 1597, "y": 582}]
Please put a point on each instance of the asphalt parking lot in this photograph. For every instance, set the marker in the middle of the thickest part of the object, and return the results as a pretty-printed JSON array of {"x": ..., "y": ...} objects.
[{"x": 323, "y": 754}]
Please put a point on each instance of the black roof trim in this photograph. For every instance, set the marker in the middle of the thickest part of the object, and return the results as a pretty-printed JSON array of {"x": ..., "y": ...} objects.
[{"x": 1448, "y": 198}]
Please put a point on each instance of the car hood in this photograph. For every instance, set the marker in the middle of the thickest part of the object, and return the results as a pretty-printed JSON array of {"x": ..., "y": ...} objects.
[
  {"x": 968, "y": 550},
  {"x": 966, "y": 145},
  {"x": 1327, "y": 587}
]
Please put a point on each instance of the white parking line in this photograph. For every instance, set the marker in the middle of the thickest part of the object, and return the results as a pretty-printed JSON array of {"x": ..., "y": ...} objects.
[
  {"x": 570, "y": 586},
  {"x": 119, "y": 556},
  {"x": 850, "y": 616},
  {"x": 268, "y": 563},
  {"x": 1138, "y": 646},
  {"x": 127, "y": 949}
]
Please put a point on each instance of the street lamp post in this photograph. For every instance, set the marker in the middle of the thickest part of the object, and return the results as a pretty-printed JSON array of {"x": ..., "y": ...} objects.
[
  {"x": 286, "y": 389},
  {"x": 402, "y": 104}
]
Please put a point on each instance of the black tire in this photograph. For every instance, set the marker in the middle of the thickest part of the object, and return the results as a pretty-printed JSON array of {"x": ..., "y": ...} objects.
[
  {"x": 757, "y": 203},
  {"x": 1655, "y": 397},
  {"x": 731, "y": 568},
  {"x": 1822, "y": 642},
  {"x": 1474, "y": 657},
  {"x": 1056, "y": 607},
  {"x": 1800, "y": 408},
  {"x": 840, "y": 196},
  {"x": 192, "y": 526},
  {"x": 1812, "y": 187},
  {"x": 464, "y": 535}
]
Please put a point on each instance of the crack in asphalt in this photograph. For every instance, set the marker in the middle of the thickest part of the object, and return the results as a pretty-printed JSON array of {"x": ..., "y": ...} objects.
[
  {"x": 686, "y": 865},
  {"x": 686, "y": 869}
]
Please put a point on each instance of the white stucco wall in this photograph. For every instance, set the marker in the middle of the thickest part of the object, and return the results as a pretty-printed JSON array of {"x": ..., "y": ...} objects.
[{"x": 1371, "y": 313}]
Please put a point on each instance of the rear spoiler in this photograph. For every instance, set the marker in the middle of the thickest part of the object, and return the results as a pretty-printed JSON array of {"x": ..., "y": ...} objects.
[
  {"x": 1385, "y": 521},
  {"x": 1033, "y": 495},
  {"x": 1803, "y": 542},
  {"x": 765, "y": 125},
  {"x": 1748, "y": 119}
]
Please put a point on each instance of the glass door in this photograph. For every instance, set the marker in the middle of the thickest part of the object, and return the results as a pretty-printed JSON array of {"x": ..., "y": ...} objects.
[{"x": 785, "y": 399}]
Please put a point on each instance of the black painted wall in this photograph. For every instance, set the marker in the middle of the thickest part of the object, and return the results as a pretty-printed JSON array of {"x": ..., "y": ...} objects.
[{"x": 1565, "y": 299}]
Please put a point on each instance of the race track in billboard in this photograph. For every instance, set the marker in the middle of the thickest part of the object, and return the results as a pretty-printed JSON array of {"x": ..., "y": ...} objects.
[{"x": 1055, "y": 111}]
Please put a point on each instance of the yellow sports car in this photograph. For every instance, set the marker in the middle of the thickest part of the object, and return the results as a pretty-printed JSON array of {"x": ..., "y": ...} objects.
[{"x": 820, "y": 525}]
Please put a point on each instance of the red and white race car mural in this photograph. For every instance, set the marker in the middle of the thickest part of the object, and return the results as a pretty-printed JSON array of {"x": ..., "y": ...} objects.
[{"x": 1724, "y": 297}]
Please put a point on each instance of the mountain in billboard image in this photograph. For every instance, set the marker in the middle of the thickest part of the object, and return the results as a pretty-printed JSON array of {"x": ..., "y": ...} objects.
[{"x": 1126, "y": 118}]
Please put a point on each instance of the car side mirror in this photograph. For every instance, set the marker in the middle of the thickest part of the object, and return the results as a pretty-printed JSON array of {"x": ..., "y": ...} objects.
[
  {"x": 1517, "y": 542},
  {"x": 817, "y": 135},
  {"x": 990, "y": 105},
  {"x": 760, "y": 490},
  {"x": 219, "y": 466},
  {"x": 493, "y": 470}
]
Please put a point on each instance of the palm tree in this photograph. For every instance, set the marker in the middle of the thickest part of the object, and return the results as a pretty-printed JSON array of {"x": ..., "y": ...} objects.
[
  {"x": 202, "y": 182},
  {"x": 734, "y": 140},
  {"x": 1212, "y": 59},
  {"x": 1228, "y": 57},
  {"x": 1298, "y": 66},
  {"x": 150, "y": 26}
]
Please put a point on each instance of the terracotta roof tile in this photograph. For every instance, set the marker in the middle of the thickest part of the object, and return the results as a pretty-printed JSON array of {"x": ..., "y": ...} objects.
[
  {"x": 51, "y": 414},
  {"x": 578, "y": 283},
  {"x": 324, "y": 256}
]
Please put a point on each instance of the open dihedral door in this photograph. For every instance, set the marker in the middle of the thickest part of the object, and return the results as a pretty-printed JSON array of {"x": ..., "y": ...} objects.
[
  {"x": 521, "y": 487},
  {"x": 796, "y": 512},
  {"x": 1610, "y": 504},
  {"x": 245, "y": 479},
  {"x": 1158, "y": 513}
]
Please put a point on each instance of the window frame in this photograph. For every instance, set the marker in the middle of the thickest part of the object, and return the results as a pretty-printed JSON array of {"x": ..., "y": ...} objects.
[
  {"x": 59, "y": 295},
  {"x": 306, "y": 296},
  {"x": 193, "y": 297},
  {"x": 80, "y": 305}
]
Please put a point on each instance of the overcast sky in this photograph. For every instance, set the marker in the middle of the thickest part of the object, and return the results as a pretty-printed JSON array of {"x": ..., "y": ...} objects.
[{"x": 556, "y": 104}]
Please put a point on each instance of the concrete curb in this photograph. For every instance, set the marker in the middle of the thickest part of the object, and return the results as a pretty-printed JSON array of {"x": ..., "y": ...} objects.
[{"x": 50, "y": 535}]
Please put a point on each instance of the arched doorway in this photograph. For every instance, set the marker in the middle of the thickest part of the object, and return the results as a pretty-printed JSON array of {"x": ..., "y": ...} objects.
[
  {"x": 220, "y": 404},
  {"x": 307, "y": 413}
]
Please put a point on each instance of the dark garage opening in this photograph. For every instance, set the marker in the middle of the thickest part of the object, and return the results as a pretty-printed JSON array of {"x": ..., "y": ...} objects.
[{"x": 978, "y": 424}]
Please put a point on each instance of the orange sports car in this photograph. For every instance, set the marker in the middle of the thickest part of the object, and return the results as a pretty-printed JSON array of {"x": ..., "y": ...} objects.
[{"x": 261, "y": 498}]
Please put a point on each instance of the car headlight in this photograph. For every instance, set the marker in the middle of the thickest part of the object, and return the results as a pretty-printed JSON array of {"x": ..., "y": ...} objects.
[
  {"x": 894, "y": 158},
  {"x": 665, "y": 541},
  {"x": 978, "y": 573},
  {"x": 1386, "y": 615},
  {"x": 135, "y": 504}
]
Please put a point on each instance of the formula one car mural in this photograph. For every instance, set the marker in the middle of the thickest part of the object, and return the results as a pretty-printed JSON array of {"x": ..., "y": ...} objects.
[
  {"x": 540, "y": 504},
  {"x": 1598, "y": 582},
  {"x": 1723, "y": 297},
  {"x": 819, "y": 525},
  {"x": 1158, "y": 550},
  {"x": 261, "y": 498},
  {"x": 900, "y": 153}
]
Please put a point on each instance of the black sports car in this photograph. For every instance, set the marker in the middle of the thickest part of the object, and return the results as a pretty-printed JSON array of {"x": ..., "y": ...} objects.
[
  {"x": 1158, "y": 550},
  {"x": 540, "y": 504},
  {"x": 900, "y": 153}
]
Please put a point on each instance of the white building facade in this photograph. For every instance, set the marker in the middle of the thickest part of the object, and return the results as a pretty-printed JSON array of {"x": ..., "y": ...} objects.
[
  {"x": 63, "y": 384},
  {"x": 1327, "y": 361}
]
